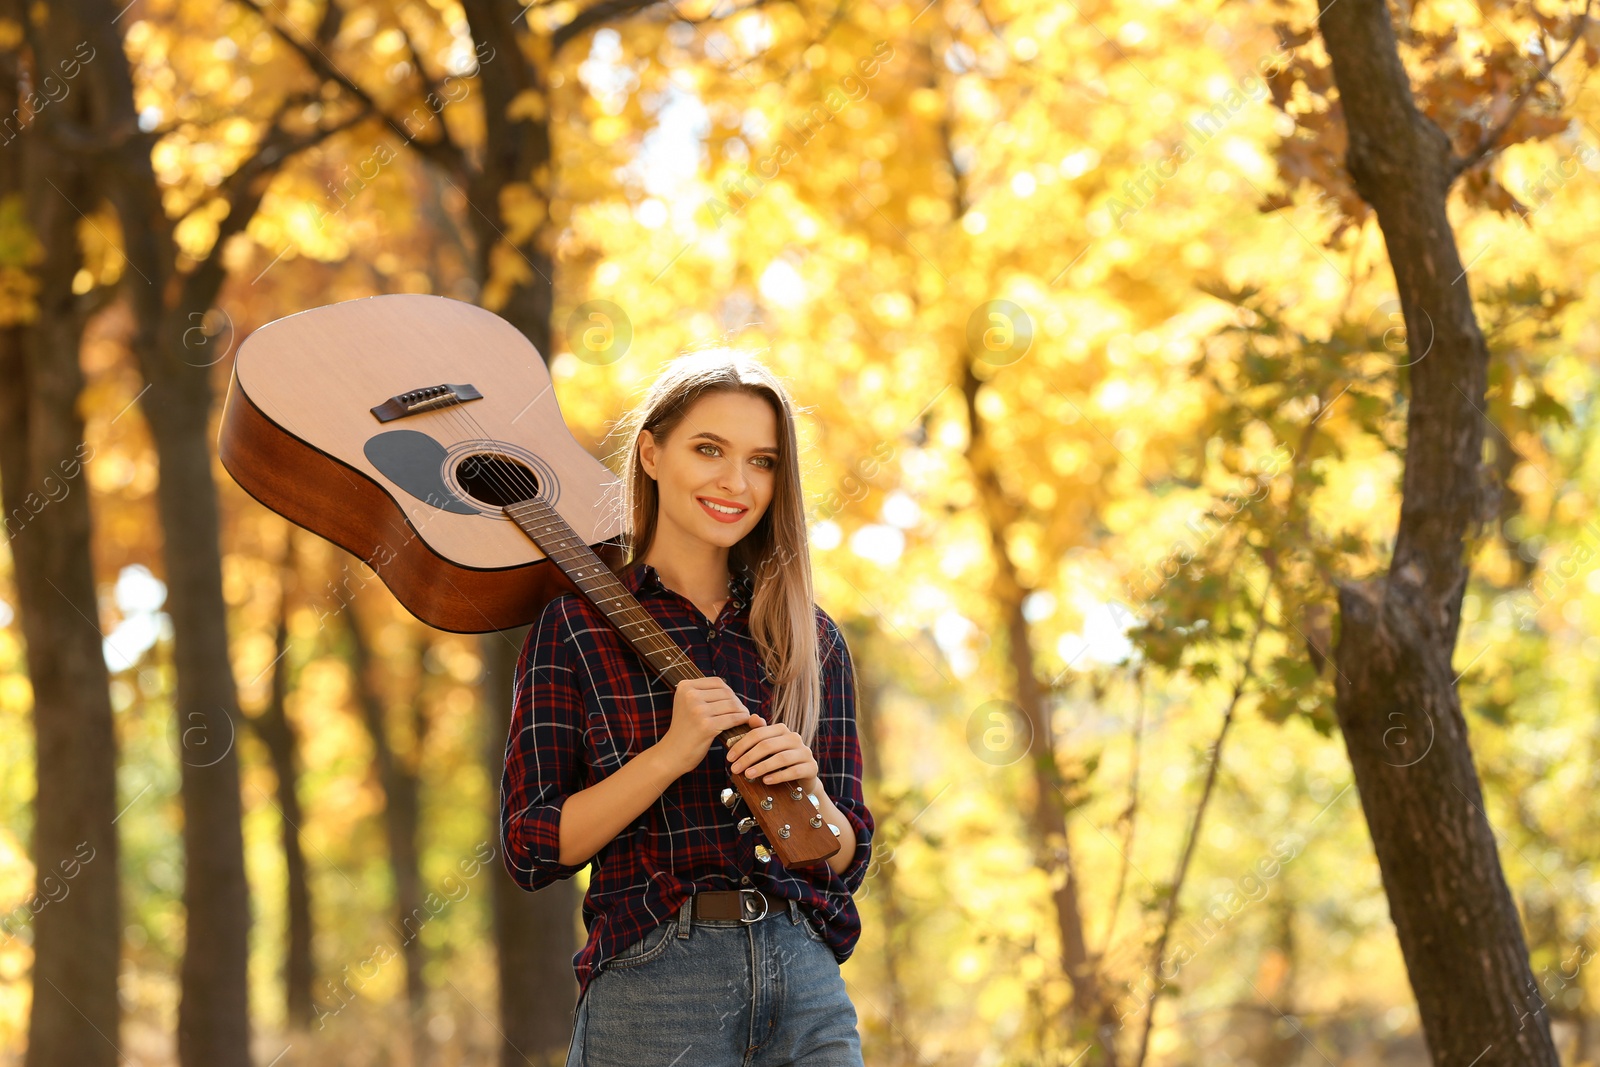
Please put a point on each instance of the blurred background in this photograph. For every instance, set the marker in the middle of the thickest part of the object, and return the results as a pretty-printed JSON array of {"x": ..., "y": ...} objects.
[{"x": 1107, "y": 379}]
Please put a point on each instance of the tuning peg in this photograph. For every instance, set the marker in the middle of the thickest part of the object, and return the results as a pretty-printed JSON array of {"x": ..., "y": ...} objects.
[
  {"x": 795, "y": 791},
  {"x": 816, "y": 822},
  {"x": 834, "y": 828},
  {"x": 763, "y": 853},
  {"x": 746, "y": 824},
  {"x": 730, "y": 798},
  {"x": 815, "y": 803},
  {"x": 783, "y": 831}
]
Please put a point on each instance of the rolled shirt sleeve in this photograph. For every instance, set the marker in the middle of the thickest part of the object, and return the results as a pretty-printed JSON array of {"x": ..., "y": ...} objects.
[
  {"x": 544, "y": 754},
  {"x": 840, "y": 758}
]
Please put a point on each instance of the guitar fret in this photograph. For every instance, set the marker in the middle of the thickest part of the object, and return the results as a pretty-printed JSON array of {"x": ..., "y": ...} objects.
[{"x": 578, "y": 561}]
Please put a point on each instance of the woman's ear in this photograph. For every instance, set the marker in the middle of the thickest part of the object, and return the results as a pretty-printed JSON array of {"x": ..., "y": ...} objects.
[{"x": 647, "y": 453}]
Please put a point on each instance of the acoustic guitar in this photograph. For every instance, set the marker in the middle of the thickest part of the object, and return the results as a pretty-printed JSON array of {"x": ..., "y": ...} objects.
[{"x": 422, "y": 435}]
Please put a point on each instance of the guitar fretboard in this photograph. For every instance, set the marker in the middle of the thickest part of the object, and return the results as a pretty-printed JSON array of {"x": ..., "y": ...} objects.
[{"x": 562, "y": 545}]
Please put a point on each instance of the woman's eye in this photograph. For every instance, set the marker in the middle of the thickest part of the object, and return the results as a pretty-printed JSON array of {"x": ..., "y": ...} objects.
[{"x": 767, "y": 462}]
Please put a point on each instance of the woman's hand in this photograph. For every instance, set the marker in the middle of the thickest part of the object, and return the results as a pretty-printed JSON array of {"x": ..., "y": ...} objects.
[
  {"x": 702, "y": 708},
  {"x": 771, "y": 753}
]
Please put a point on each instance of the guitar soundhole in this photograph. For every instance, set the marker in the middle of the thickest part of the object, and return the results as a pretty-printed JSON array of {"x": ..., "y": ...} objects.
[{"x": 495, "y": 479}]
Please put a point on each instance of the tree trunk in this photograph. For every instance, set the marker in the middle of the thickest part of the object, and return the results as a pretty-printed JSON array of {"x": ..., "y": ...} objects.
[
  {"x": 213, "y": 1013},
  {"x": 401, "y": 818},
  {"x": 213, "y": 1021},
  {"x": 535, "y": 932},
  {"x": 516, "y": 149},
  {"x": 76, "y": 910},
  {"x": 177, "y": 359},
  {"x": 1094, "y": 1015},
  {"x": 277, "y": 734},
  {"x": 1395, "y": 693}
]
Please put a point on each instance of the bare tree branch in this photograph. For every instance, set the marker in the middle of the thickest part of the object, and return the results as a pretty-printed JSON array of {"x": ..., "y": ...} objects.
[
  {"x": 245, "y": 188},
  {"x": 595, "y": 15},
  {"x": 1128, "y": 818},
  {"x": 1182, "y": 872},
  {"x": 430, "y": 86},
  {"x": 443, "y": 152}
]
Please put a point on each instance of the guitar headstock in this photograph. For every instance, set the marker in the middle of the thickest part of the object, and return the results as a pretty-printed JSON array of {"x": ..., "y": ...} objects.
[{"x": 787, "y": 814}]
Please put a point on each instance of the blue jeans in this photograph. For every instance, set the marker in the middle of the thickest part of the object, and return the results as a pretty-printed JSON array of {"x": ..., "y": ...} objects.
[{"x": 719, "y": 993}]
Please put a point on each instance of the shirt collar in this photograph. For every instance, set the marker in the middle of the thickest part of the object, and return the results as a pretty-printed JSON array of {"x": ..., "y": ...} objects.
[{"x": 642, "y": 578}]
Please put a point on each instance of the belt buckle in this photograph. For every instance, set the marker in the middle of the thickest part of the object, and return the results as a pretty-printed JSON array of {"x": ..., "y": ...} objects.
[{"x": 742, "y": 909}]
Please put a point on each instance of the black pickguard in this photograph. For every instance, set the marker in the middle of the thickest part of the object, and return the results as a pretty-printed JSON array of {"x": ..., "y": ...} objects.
[{"x": 415, "y": 462}]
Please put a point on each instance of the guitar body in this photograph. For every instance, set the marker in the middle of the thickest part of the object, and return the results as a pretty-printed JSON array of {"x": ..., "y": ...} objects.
[{"x": 466, "y": 422}]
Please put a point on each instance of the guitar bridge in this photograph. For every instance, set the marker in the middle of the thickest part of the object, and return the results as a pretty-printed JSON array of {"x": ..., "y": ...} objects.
[{"x": 418, "y": 401}]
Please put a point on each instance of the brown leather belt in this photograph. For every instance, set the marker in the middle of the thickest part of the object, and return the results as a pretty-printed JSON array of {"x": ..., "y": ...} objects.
[{"x": 746, "y": 905}]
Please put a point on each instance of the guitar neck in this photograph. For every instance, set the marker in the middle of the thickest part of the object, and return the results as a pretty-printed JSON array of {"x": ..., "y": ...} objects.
[{"x": 596, "y": 581}]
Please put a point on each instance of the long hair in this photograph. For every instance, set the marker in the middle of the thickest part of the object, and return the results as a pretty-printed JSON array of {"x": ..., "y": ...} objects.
[{"x": 776, "y": 553}]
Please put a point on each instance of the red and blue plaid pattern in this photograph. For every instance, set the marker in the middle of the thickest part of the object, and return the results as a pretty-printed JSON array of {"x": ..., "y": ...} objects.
[{"x": 585, "y": 703}]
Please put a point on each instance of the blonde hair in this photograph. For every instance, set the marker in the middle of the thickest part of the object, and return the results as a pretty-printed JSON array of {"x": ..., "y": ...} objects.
[{"x": 776, "y": 553}]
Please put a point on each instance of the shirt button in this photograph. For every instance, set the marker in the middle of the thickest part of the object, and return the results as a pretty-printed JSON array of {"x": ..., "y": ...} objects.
[
  {"x": 745, "y": 880},
  {"x": 711, "y": 635}
]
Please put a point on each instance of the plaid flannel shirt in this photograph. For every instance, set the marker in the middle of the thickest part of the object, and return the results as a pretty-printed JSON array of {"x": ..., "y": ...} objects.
[{"x": 585, "y": 704}]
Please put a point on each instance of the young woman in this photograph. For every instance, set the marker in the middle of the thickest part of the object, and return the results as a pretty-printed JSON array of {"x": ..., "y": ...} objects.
[{"x": 698, "y": 951}]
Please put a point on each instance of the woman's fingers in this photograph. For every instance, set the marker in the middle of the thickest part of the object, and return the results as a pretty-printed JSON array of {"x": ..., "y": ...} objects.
[
  {"x": 751, "y": 741},
  {"x": 755, "y": 736},
  {"x": 722, "y": 722},
  {"x": 770, "y": 755},
  {"x": 714, "y": 693},
  {"x": 724, "y": 701},
  {"x": 782, "y": 766}
]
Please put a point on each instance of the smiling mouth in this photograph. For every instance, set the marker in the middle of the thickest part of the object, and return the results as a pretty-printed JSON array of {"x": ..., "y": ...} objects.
[{"x": 719, "y": 509}]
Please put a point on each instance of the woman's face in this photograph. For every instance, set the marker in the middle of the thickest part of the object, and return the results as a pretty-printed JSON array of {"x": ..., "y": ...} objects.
[{"x": 724, "y": 452}]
